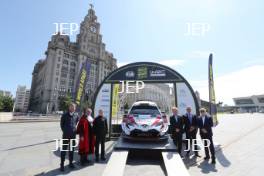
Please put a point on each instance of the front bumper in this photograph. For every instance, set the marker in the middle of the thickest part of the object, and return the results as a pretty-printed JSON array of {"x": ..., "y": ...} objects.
[
  {"x": 144, "y": 138},
  {"x": 144, "y": 133}
]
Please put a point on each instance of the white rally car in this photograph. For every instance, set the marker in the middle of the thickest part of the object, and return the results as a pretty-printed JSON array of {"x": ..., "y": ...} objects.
[{"x": 144, "y": 121}]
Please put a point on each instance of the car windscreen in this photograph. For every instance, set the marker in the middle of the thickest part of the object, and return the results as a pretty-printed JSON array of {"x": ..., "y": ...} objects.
[{"x": 145, "y": 110}]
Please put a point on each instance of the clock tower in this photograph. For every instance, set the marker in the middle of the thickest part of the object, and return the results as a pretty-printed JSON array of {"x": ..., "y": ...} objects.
[
  {"x": 91, "y": 47},
  {"x": 89, "y": 39}
]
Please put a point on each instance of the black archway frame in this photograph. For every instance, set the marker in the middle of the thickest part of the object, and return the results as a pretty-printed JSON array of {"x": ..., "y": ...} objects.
[{"x": 177, "y": 78}]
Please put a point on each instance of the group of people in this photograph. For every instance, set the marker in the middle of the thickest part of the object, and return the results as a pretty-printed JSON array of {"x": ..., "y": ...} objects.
[
  {"x": 189, "y": 124},
  {"x": 91, "y": 131}
]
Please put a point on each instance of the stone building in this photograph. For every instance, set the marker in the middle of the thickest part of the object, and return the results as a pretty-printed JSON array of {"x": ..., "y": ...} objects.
[{"x": 55, "y": 76}]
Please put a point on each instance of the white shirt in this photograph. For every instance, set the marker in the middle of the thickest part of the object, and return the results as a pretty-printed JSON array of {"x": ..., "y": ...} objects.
[
  {"x": 90, "y": 118},
  {"x": 176, "y": 117}
]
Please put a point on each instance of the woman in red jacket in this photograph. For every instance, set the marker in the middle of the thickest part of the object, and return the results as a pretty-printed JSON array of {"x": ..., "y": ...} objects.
[{"x": 83, "y": 131}]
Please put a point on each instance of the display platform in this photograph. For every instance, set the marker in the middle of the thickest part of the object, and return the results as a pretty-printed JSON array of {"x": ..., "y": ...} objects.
[{"x": 163, "y": 146}]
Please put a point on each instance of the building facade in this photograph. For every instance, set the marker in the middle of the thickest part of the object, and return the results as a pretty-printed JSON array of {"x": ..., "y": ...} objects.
[
  {"x": 5, "y": 93},
  {"x": 253, "y": 103},
  {"x": 162, "y": 94},
  {"x": 55, "y": 76},
  {"x": 22, "y": 99}
]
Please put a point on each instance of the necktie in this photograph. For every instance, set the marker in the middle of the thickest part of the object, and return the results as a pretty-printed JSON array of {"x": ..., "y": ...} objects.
[{"x": 190, "y": 118}]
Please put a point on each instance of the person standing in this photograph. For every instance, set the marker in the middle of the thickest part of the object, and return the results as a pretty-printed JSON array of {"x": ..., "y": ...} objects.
[
  {"x": 190, "y": 128},
  {"x": 205, "y": 124},
  {"x": 83, "y": 131},
  {"x": 91, "y": 136},
  {"x": 68, "y": 126},
  {"x": 176, "y": 125},
  {"x": 100, "y": 130}
]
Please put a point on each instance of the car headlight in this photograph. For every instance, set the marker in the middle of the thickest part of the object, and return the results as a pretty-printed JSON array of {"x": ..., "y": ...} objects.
[
  {"x": 130, "y": 124},
  {"x": 158, "y": 124}
]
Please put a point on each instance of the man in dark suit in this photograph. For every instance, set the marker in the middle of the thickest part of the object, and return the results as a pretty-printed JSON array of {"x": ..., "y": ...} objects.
[
  {"x": 205, "y": 124},
  {"x": 176, "y": 125},
  {"x": 190, "y": 123},
  {"x": 68, "y": 127},
  {"x": 100, "y": 130}
]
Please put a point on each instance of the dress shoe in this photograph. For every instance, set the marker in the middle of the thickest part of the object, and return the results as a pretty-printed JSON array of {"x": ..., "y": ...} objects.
[
  {"x": 71, "y": 165},
  {"x": 197, "y": 155},
  {"x": 213, "y": 161},
  {"x": 62, "y": 168},
  {"x": 103, "y": 158},
  {"x": 187, "y": 154},
  {"x": 182, "y": 157},
  {"x": 206, "y": 158}
]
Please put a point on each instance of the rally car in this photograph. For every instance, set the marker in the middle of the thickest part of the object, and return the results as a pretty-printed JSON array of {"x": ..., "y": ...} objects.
[{"x": 145, "y": 121}]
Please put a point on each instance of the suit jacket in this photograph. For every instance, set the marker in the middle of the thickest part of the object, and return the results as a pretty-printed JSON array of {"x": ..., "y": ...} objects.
[
  {"x": 188, "y": 124},
  {"x": 176, "y": 124},
  {"x": 68, "y": 124},
  {"x": 208, "y": 124},
  {"x": 100, "y": 126}
]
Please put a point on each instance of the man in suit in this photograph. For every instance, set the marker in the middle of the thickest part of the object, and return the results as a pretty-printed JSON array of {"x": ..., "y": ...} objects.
[
  {"x": 100, "y": 128},
  {"x": 176, "y": 125},
  {"x": 68, "y": 127},
  {"x": 190, "y": 123},
  {"x": 205, "y": 124}
]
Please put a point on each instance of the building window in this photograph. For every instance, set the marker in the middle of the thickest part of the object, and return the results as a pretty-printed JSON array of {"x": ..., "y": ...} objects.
[
  {"x": 64, "y": 69},
  {"x": 92, "y": 50},
  {"x": 58, "y": 65},
  {"x": 66, "y": 55},
  {"x": 73, "y": 64},
  {"x": 63, "y": 75},
  {"x": 65, "y": 62},
  {"x": 71, "y": 76},
  {"x": 261, "y": 100},
  {"x": 244, "y": 101},
  {"x": 63, "y": 82},
  {"x": 72, "y": 70}
]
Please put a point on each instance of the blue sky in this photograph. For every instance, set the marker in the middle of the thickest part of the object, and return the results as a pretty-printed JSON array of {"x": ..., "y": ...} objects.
[{"x": 146, "y": 30}]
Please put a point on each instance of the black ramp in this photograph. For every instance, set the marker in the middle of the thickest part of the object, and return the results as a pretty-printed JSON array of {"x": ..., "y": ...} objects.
[
  {"x": 174, "y": 164},
  {"x": 116, "y": 164},
  {"x": 123, "y": 144}
]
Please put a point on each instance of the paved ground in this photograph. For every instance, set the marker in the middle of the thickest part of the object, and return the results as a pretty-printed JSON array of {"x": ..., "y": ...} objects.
[{"x": 26, "y": 149}]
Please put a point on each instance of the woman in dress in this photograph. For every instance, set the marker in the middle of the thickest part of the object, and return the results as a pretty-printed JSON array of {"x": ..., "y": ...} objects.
[{"x": 83, "y": 131}]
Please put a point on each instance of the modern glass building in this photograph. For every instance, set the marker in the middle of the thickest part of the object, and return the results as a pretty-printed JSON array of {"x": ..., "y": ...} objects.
[{"x": 254, "y": 103}]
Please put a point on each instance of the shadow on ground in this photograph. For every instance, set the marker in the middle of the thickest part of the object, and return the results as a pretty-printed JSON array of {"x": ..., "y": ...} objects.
[
  {"x": 76, "y": 162},
  {"x": 205, "y": 166}
]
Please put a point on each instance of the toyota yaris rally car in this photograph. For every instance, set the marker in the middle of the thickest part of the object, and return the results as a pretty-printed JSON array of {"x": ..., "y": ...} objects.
[{"x": 144, "y": 121}]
